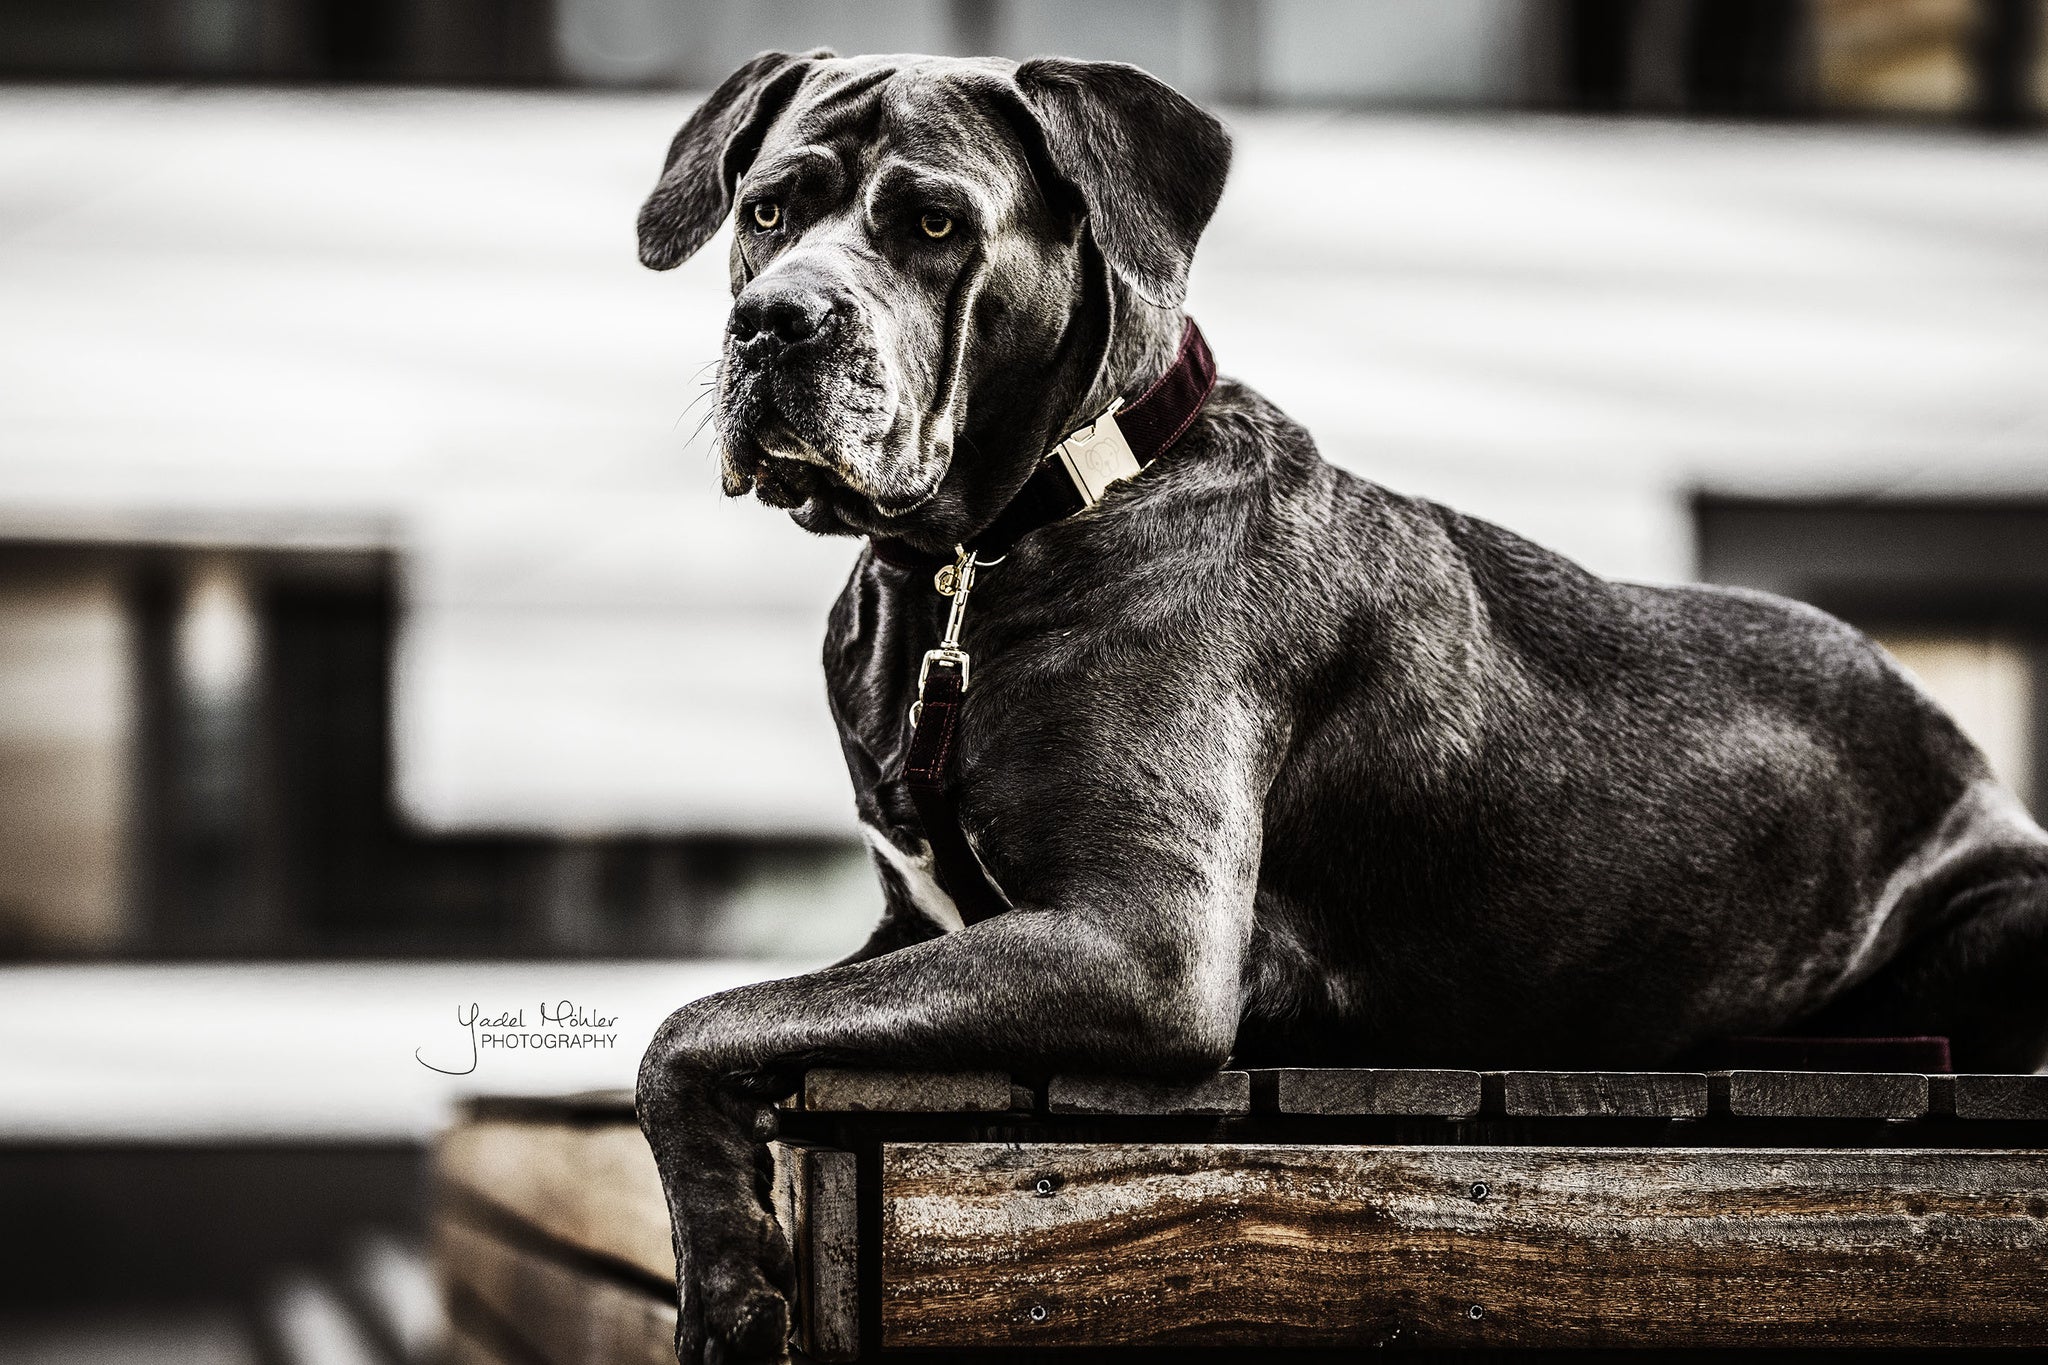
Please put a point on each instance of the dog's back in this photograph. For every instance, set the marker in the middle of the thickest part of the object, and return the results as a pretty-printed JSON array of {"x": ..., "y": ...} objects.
[{"x": 1529, "y": 814}]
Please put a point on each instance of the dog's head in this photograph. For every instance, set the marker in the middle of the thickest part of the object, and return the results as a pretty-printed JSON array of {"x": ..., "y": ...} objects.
[{"x": 928, "y": 261}]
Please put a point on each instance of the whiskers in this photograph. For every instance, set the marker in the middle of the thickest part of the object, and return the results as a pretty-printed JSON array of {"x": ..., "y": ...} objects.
[
  {"x": 706, "y": 388},
  {"x": 702, "y": 422}
]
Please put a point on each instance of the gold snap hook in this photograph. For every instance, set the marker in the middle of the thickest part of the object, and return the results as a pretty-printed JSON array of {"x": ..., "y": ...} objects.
[{"x": 956, "y": 580}]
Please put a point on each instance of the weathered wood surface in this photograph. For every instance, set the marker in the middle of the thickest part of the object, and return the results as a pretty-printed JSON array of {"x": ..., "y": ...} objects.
[
  {"x": 1603, "y": 1094},
  {"x": 590, "y": 1187},
  {"x": 593, "y": 1189},
  {"x": 1999, "y": 1097},
  {"x": 1222, "y": 1245},
  {"x": 1824, "y": 1094},
  {"x": 1390, "y": 1092},
  {"x": 814, "y": 1201},
  {"x": 1225, "y": 1092},
  {"x": 831, "y": 1090},
  {"x": 463, "y": 1344},
  {"x": 562, "y": 1314},
  {"x": 1386, "y": 1092},
  {"x": 1186, "y": 1244}
]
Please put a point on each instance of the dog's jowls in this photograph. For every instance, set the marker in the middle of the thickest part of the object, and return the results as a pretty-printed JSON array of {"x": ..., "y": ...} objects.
[{"x": 1272, "y": 762}]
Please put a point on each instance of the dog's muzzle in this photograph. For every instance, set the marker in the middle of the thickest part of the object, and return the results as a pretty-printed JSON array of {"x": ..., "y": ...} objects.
[{"x": 772, "y": 331}]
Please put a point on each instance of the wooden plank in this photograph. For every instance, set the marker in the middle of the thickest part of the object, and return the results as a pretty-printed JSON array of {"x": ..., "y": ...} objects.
[
  {"x": 590, "y": 1187},
  {"x": 1604, "y": 1094},
  {"x": 2000, "y": 1097},
  {"x": 594, "y": 1190},
  {"x": 1386, "y": 1091},
  {"x": 1226, "y": 1092},
  {"x": 566, "y": 1315},
  {"x": 814, "y": 1191},
  {"x": 1181, "y": 1244},
  {"x": 464, "y": 1343},
  {"x": 1823, "y": 1094},
  {"x": 832, "y": 1090}
]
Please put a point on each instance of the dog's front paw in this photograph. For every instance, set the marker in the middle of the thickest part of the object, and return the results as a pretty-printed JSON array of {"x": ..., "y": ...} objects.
[{"x": 736, "y": 1295}]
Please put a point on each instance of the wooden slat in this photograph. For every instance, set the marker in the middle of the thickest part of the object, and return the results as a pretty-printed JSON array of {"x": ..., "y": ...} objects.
[
  {"x": 1604, "y": 1094},
  {"x": 1269, "y": 1246},
  {"x": 906, "y": 1092},
  {"x": 814, "y": 1201},
  {"x": 1824, "y": 1094},
  {"x": 2000, "y": 1097},
  {"x": 591, "y": 1187},
  {"x": 566, "y": 1315},
  {"x": 463, "y": 1343},
  {"x": 1226, "y": 1092},
  {"x": 1391, "y": 1092}
]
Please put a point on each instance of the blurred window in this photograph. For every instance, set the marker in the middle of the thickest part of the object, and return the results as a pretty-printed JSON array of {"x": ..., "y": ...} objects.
[
  {"x": 1894, "y": 56},
  {"x": 195, "y": 761},
  {"x": 1722, "y": 58},
  {"x": 1769, "y": 58}
]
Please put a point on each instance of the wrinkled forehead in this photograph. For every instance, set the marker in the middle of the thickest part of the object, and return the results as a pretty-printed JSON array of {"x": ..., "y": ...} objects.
[{"x": 942, "y": 119}]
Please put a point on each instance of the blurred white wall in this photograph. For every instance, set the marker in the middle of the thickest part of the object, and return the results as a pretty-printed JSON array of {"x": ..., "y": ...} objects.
[
  {"x": 269, "y": 1052},
  {"x": 415, "y": 319}
]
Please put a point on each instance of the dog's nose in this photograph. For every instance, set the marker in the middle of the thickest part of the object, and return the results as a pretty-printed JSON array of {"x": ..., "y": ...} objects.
[{"x": 778, "y": 316}]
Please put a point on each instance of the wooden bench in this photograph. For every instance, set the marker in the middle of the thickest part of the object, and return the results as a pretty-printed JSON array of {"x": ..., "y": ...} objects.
[{"x": 1299, "y": 1209}]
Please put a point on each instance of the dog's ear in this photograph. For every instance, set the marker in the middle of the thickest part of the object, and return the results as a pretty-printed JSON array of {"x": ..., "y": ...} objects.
[
  {"x": 1147, "y": 164},
  {"x": 711, "y": 152}
]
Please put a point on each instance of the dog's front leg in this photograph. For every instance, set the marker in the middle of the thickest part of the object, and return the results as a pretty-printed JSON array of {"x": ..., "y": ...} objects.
[{"x": 1105, "y": 982}]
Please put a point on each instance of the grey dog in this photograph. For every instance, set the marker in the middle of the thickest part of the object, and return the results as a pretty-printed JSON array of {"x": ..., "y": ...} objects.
[{"x": 1269, "y": 762}]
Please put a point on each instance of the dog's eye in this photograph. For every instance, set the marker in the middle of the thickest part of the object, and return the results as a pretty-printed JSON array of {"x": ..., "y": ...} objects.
[
  {"x": 936, "y": 225},
  {"x": 767, "y": 215}
]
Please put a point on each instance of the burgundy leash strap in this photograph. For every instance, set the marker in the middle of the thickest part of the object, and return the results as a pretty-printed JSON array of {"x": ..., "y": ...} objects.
[
  {"x": 930, "y": 757},
  {"x": 1160, "y": 417}
]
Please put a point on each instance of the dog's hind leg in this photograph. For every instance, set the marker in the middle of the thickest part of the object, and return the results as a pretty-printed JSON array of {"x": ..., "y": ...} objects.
[{"x": 1980, "y": 980}]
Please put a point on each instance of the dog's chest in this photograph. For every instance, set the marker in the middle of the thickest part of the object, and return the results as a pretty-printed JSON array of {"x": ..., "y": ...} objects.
[
  {"x": 882, "y": 628},
  {"x": 912, "y": 872}
]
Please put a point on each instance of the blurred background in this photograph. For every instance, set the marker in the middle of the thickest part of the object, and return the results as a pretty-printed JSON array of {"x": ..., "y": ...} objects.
[{"x": 374, "y": 642}]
